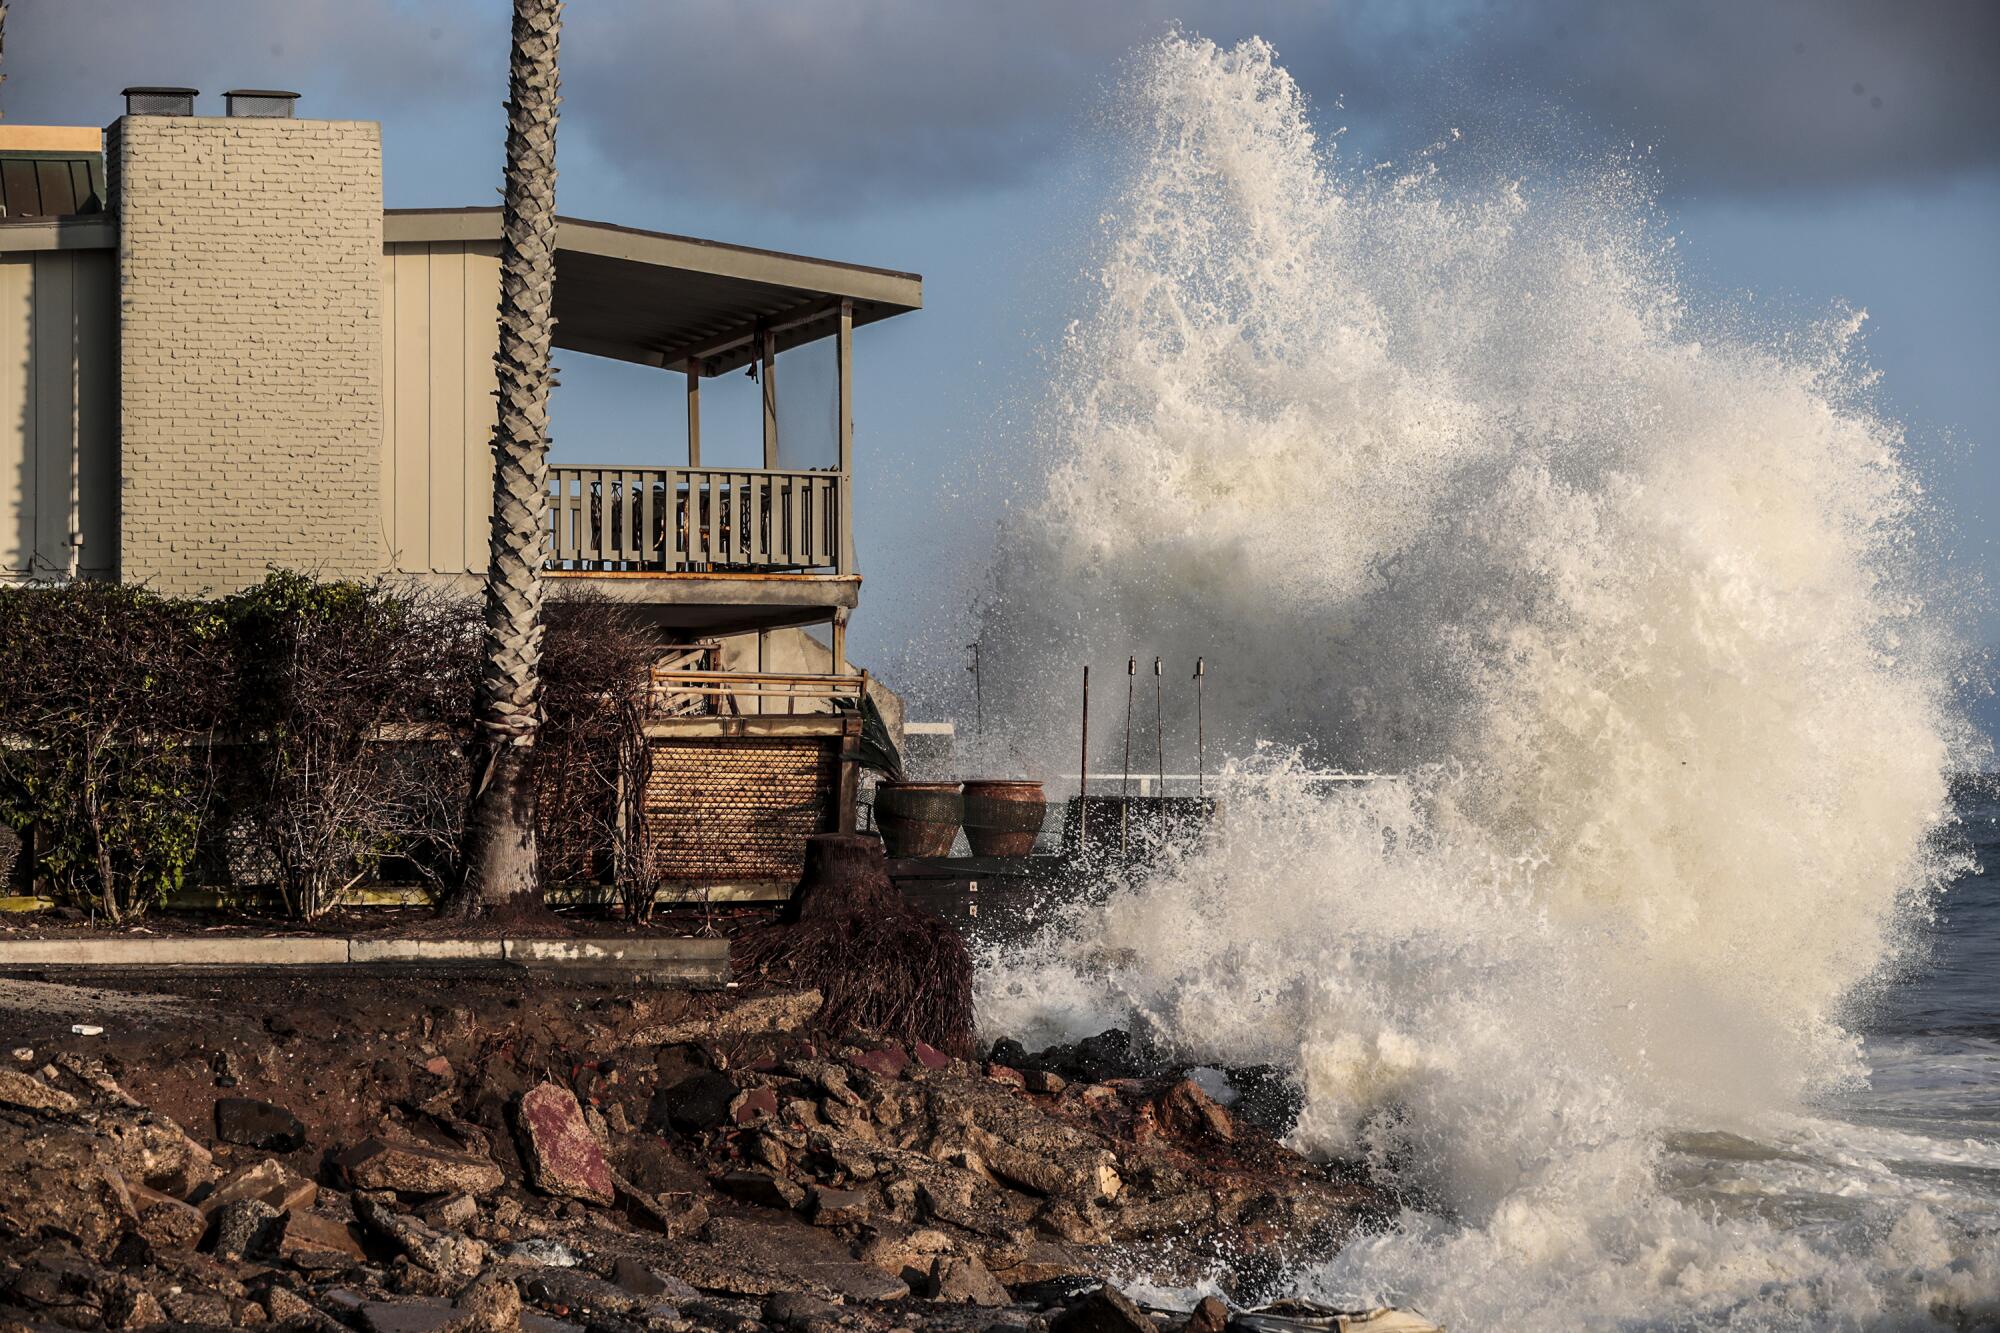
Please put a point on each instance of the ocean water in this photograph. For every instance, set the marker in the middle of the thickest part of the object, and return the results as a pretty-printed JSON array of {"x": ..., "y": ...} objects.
[{"x": 1659, "y": 980}]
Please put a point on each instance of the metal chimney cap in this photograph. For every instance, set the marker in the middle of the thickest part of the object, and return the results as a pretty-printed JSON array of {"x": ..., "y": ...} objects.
[
  {"x": 268, "y": 103},
  {"x": 147, "y": 100}
]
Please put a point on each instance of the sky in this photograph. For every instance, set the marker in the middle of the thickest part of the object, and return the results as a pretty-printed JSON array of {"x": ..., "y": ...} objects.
[{"x": 1809, "y": 151}]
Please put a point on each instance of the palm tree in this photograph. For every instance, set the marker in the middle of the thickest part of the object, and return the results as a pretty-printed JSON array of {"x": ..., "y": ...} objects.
[{"x": 497, "y": 865}]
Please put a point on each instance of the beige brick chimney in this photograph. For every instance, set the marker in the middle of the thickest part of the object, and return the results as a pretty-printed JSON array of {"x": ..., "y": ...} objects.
[{"x": 250, "y": 328}]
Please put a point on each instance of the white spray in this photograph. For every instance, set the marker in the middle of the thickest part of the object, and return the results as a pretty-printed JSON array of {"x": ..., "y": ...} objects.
[{"x": 1448, "y": 481}]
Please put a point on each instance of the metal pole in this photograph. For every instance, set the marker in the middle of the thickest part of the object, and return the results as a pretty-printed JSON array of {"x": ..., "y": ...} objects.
[
  {"x": 1125, "y": 783},
  {"x": 1159, "y": 730},
  {"x": 1083, "y": 771},
  {"x": 978, "y": 692},
  {"x": 1200, "y": 735}
]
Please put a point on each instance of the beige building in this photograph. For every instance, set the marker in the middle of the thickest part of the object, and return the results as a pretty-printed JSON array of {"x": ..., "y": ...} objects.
[{"x": 220, "y": 355}]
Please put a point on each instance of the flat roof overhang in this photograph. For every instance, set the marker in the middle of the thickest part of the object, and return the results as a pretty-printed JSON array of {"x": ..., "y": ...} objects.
[{"x": 678, "y": 302}]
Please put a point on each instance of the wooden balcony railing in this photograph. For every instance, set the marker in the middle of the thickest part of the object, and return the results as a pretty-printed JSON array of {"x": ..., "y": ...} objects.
[
  {"x": 677, "y": 693},
  {"x": 674, "y": 519}
]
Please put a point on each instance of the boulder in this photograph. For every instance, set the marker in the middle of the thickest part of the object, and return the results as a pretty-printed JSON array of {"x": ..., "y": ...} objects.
[
  {"x": 561, "y": 1154},
  {"x": 929, "y": 1056},
  {"x": 1105, "y": 1310},
  {"x": 413, "y": 1168},
  {"x": 699, "y": 1102},
  {"x": 963, "y": 1280},
  {"x": 155, "y": 1151},
  {"x": 55, "y": 1182},
  {"x": 1184, "y": 1111},
  {"x": 884, "y": 1061},
  {"x": 249, "y": 1123},
  {"x": 247, "y": 1229},
  {"x": 1210, "y": 1315},
  {"x": 21, "y": 1089}
]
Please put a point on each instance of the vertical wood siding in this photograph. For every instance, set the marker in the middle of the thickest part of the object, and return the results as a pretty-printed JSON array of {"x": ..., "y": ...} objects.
[
  {"x": 440, "y": 332},
  {"x": 57, "y": 348}
]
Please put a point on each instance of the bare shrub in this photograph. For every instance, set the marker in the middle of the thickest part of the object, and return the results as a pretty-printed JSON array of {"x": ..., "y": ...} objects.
[{"x": 348, "y": 696}]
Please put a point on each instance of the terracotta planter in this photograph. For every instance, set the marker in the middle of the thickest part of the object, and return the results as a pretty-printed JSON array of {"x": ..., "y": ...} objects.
[
  {"x": 918, "y": 818},
  {"x": 1002, "y": 818}
]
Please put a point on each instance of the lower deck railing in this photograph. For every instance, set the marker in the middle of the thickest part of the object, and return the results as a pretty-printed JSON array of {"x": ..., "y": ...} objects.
[{"x": 690, "y": 519}]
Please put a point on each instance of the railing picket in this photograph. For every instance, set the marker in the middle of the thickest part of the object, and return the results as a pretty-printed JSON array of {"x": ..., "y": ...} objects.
[{"x": 677, "y": 518}]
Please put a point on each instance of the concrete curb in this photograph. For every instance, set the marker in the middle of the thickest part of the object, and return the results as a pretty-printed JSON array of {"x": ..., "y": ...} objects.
[{"x": 702, "y": 960}]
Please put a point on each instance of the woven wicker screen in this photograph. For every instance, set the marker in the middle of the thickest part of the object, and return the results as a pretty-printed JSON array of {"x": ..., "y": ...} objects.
[{"x": 738, "y": 808}]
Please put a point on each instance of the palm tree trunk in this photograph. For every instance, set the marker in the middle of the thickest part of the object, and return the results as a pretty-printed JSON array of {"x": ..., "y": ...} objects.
[{"x": 497, "y": 866}]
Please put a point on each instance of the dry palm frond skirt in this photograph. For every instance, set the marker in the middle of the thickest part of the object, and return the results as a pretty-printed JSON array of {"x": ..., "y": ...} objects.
[{"x": 882, "y": 965}]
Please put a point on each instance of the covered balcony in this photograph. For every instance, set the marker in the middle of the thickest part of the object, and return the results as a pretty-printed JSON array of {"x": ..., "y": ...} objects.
[{"x": 706, "y": 547}]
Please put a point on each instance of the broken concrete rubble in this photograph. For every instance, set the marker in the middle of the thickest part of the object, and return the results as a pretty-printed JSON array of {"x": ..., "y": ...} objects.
[{"x": 804, "y": 1180}]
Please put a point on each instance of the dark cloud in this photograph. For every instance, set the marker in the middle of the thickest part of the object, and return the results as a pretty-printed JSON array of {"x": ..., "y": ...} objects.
[
  {"x": 360, "y": 59},
  {"x": 815, "y": 107}
]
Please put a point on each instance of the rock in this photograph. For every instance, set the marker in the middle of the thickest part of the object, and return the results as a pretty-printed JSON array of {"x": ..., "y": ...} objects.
[
  {"x": 438, "y": 1066},
  {"x": 671, "y": 1217},
  {"x": 829, "y": 1078},
  {"x": 832, "y": 1207},
  {"x": 784, "y": 1012},
  {"x": 453, "y": 1210},
  {"x": 1173, "y": 1212},
  {"x": 761, "y": 1188},
  {"x": 884, "y": 1061},
  {"x": 797, "y": 1311},
  {"x": 1268, "y": 1097},
  {"x": 1083, "y": 1174},
  {"x": 1007, "y": 1074},
  {"x": 155, "y": 1151},
  {"x": 573, "y": 1292},
  {"x": 1210, "y": 1315},
  {"x": 1042, "y": 1081},
  {"x": 490, "y": 1305},
  {"x": 246, "y": 1228},
  {"x": 929, "y": 1056},
  {"x": 1186, "y": 1112},
  {"x": 309, "y": 1234},
  {"x": 27, "y": 1090},
  {"x": 1105, "y": 1310},
  {"x": 440, "y": 1252},
  {"x": 269, "y": 1180},
  {"x": 562, "y": 1156},
  {"x": 53, "y": 1181},
  {"x": 754, "y": 1105},
  {"x": 249, "y": 1123},
  {"x": 759, "y": 1253},
  {"x": 200, "y": 1308},
  {"x": 127, "y": 1304},
  {"x": 963, "y": 1280},
  {"x": 694, "y": 1104},
  {"x": 909, "y": 1257},
  {"x": 284, "y": 1305},
  {"x": 165, "y": 1221},
  {"x": 410, "y": 1168}
]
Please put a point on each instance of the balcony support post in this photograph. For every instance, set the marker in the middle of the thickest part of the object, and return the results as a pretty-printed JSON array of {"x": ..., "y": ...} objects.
[
  {"x": 769, "y": 340},
  {"x": 694, "y": 416},
  {"x": 843, "y": 419}
]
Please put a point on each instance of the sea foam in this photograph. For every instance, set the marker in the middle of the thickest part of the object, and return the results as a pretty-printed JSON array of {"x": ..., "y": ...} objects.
[{"x": 1454, "y": 481}]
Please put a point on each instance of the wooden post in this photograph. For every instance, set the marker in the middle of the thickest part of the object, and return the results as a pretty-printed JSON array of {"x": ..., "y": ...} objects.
[
  {"x": 843, "y": 424},
  {"x": 694, "y": 416},
  {"x": 770, "y": 387}
]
